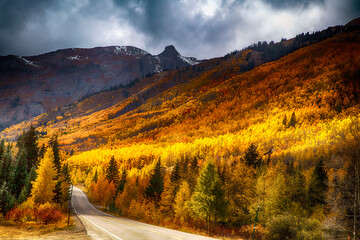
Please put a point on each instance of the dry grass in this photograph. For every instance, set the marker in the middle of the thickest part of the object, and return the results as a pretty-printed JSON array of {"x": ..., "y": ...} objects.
[{"x": 51, "y": 231}]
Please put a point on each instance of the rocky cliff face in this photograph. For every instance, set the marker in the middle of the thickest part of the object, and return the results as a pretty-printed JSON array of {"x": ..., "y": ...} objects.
[{"x": 33, "y": 85}]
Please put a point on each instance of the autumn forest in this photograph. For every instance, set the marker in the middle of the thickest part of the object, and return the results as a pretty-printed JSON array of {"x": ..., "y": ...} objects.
[{"x": 267, "y": 135}]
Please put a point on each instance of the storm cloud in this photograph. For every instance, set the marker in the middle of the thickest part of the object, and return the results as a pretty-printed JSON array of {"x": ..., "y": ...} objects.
[{"x": 200, "y": 28}]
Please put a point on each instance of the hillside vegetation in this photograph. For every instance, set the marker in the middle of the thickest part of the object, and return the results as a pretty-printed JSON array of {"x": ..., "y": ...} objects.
[{"x": 282, "y": 136}]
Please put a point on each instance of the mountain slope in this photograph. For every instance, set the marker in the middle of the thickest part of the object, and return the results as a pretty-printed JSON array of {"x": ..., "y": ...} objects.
[
  {"x": 33, "y": 85},
  {"x": 318, "y": 83}
]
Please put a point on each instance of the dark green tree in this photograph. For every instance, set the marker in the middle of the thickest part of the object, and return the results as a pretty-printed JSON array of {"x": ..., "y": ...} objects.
[
  {"x": 251, "y": 157},
  {"x": 20, "y": 173},
  {"x": 66, "y": 182},
  {"x": 208, "y": 201},
  {"x": 156, "y": 184},
  {"x": 6, "y": 167},
  {"x": 26, "y": 190},
  {"x": 95, "y": 178},
  {"x": 121, "y": 185},
  {"x": 292, "y": 121},
  {"x": 318, "y": 185},
  {"x": 28, "y": 140},
  {"x": 2, "y": 148},
  {"x": 55, "y": 146},
  {"x": 7, "y": 201},
  {"x": 175, "y": 173},
  {"x": 112, "y": 171},
  {"x": 284, "y": 121}
]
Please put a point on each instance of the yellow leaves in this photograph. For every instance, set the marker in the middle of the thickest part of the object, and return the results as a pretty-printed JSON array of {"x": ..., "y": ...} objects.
[{"x": 44, "y": 184}]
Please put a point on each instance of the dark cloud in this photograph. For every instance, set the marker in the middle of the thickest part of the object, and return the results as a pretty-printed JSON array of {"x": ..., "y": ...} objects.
[{"x": 200, "y": 28}]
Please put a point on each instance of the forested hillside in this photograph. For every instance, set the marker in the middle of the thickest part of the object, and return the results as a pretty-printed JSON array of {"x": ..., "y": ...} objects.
[{"x": 204, "y": 147}]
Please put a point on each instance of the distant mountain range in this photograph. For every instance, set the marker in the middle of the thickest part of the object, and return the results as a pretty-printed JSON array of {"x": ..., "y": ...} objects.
[{"x": 30, "y": 86}]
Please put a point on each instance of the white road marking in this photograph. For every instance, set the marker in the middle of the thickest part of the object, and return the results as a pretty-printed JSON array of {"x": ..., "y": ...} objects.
[{"x": 96, "y": 224}]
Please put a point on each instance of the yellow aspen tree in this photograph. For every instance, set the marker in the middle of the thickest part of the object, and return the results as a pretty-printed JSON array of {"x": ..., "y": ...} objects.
[
  {"x": 44, "y": 184},
  {"x": 181, "y": 205}
]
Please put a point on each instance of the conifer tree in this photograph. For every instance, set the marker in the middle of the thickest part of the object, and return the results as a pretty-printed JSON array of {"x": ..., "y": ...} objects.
[
  {"x": 251, "y": 157},
  {"x": 28, "y": 140},
  {"x": 44, "y": 185},
  {"x": 2, "y": 148},
  {"x": 284, "y": 121},
  {"x": 121, "y": 185},
  {"x": 208, "y": 201},
  {"x": 112, "y": 171},
  {"x": 20, "y": 173},
  {"x": 65, "y": 184},
  {"x": 317, "y": 185},
  {"x": 26, "y": 190},
  {"x": 6, "y": 167},
  {"x": 57, "y": 191},
  {"x": 7, "y": 201},
  {"x": 175, "y": 173},
  {"x": 292, "y": 121},
  {"x": 156, "y": 184}
]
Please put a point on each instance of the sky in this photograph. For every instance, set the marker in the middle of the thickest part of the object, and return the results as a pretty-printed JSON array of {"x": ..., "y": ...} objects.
[{"x": 198, "y": 28}]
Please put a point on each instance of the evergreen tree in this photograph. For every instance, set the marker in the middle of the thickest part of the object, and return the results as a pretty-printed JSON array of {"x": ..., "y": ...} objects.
[
  {"x": 6, "y": 168},
  {"x": 28, "y": 140},
  {"x": 208, "y": 201},
  {"x": 26, "y": 190},
  {"x": 112, "y": 171},
  {"x": 58, "y": 190},
  {"x": 284, "y": 121},
  {"x": 44, "y": 185},
  {"x": 7, "y": 201},
  {"x": 122, "y": 182},
  {"x": 175, "y": 173},
  {"x": 317, "y": 185},
  {"x": 251, "y": 157},
  {"x": 95, "y": 178},
  {"x": 55, "y": 147},
  {"x": 42, "y": 151},
  {"x": 156, "y": 184},
  {"x": 2, "y": 148},
  {"x": 65, "y": 184},
  {"x": 292, "y": 120},
  {"x": 20, "y": 173}
]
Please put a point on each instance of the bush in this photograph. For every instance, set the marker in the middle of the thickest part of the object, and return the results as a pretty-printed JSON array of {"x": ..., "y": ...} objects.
[
  {"x": 282, "y": 227},
  {"x": 287, "y": 226},
  {"x": 47, "y": 213}
]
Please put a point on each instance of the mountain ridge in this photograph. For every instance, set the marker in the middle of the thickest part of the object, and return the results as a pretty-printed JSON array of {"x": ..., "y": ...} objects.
[{"x": 37, "y": 84}]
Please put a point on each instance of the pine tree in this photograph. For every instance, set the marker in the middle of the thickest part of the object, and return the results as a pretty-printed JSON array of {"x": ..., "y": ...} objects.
[
  {"x": 175, "y": 173},
  {"x": 156, "y": 184},
  {"x": 251, "y": 157},
  {"x": 317, "y": 185},
  {"x": 28, "y": 140},
  {"x": 26, "y": 190},
  {"x": 55, "y": 147},
  {"x": 65, "y": 184},
  {"x": 44, "y": 185},
  {"x": 292, "y": 121},
  {"x": 121, "y": 185},
  {"x": 7, "y": 201},
  {"x": 284, "y": 121},
  {"x": 6, "y": 167},
  {"x": 208, "y": 201},
  {"x": 112, "y": 171},
  {"x": 2, "y": 148},
  {"x": 58, "y": 190},
  {"x": 20, "y": 173}
]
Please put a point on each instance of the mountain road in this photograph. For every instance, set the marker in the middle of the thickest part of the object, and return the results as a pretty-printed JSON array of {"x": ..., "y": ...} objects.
[{"x": 100, "y": 225}]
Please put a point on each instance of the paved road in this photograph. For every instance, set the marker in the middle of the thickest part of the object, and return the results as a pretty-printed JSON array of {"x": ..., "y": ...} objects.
[{"x": 100, "y": 225}]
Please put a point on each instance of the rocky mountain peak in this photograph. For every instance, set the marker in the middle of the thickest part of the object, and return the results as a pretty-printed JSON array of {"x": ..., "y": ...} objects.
[{"x": 170, "y": 51}]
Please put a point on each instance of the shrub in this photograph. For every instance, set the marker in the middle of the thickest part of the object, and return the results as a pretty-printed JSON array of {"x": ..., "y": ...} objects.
[{"x": 47, "y": 213}]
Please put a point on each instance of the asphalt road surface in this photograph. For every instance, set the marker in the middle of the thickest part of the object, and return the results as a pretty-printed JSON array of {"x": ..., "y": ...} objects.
[{"x": 100, "y": 225}]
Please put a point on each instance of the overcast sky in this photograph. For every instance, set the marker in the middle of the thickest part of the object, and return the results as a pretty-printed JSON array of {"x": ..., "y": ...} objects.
[{"x": 199, "y": 28}]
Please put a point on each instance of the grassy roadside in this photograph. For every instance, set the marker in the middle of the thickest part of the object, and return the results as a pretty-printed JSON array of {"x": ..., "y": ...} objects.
[{"x": 41, "y": 232}]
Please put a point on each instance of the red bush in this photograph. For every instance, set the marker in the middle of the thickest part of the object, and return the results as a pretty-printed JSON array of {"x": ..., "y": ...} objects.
[{"x": 47, "y": 213}]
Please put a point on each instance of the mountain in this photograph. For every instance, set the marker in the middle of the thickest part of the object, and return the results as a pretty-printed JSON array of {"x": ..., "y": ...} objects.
[
  {"x": 30, "y": 86},
  {"x": 222, "y": 97}
]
